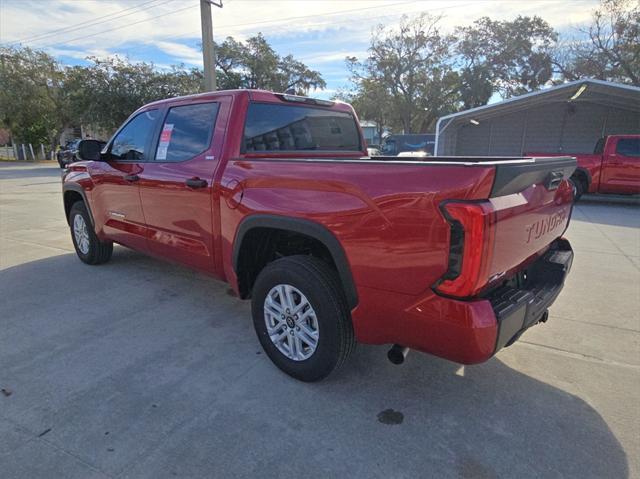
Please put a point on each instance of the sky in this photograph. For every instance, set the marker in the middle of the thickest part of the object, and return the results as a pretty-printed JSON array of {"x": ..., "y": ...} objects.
[{"x": 321, "y": 33}]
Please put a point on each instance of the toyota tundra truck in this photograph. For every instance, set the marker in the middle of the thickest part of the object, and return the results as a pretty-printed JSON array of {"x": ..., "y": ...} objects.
[
  {"x": 274, "y": 193},
  {"x": 613, "y": 167}
]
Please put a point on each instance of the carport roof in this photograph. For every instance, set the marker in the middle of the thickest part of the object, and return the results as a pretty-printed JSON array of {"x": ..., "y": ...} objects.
[{"x": 612, "y": 94}]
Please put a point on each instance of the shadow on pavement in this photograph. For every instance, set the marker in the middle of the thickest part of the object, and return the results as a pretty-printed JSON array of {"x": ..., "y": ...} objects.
[
  {"x": 630, "y": 200},
  {"x": 166, "y": 363},
  {"x": 609, "y": 213}
]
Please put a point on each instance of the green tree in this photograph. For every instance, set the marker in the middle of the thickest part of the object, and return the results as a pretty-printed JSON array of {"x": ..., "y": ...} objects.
[
  {"x": 229, "y": 64},
  {"x": 505, "y": 57},
  {"x": 39, "y": 98},
  {"x": 293, "y": 74},
  {"x": 33, "y": 103},
  {"x": 371, "y": 102},
  {"x": 255, "y": 64},
  {"x": 608, "y": 49},
  {"x": 408, "y": 71},
  {"x": 104, "y": 93}
]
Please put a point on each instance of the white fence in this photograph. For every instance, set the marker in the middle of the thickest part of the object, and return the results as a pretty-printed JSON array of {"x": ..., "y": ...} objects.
[
  {"x": 7, "y": 152},
  {"x": 26, "y": 152}
]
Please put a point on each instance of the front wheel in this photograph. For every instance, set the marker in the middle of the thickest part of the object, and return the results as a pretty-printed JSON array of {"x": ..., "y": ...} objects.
[
  {"x": 301, "y": 317},
  {"x": 85, "y": 241},
  {"x": 579, "y": 188}
]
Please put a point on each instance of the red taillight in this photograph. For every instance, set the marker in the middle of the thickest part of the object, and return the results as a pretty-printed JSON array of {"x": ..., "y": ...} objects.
[{"x": 471, "y": 249}]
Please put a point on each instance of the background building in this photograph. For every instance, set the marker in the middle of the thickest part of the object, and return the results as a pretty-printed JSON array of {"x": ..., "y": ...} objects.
[
  {"x": 567, "y": 118},
  {"x": 370, "y": 132}
]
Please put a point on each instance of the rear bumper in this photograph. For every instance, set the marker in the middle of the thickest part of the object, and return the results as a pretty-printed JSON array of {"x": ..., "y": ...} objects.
[
  {"x": 466, "y": 332},
  {"x": 518, "y": 308}
]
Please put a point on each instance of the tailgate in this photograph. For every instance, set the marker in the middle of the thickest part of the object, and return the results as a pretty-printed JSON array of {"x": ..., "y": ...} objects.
[
  {"x": 528, "y": 208},
  {"x": 532, "y": 206}
]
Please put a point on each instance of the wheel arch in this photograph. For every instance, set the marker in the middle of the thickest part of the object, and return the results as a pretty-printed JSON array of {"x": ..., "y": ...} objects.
[
  {"x": 71, "y": 193},
  {"x": 583, "y": 174},
  {"x": 299, "y": 226}
]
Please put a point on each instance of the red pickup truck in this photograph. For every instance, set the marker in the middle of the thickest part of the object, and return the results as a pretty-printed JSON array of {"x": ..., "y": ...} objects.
[
  {"x": 614, "y": 166},
  {"x": 274, "y": 194}
]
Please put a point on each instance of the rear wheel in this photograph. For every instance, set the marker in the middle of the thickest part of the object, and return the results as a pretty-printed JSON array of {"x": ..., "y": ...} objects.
[
  {"x": 87, "y": 245},
  {"x": 301, "y": 317}
]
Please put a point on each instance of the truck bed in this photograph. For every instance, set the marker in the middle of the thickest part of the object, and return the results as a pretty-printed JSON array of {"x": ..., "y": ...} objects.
[{"x": 512, "y": 174}]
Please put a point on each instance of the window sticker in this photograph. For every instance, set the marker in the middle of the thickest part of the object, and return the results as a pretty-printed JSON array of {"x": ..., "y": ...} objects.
[{"x": 165, "y": 139}]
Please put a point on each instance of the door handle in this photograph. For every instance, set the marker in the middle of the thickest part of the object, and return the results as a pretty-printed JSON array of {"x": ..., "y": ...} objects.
[
  {"x": 553, "y": 180},
  {"x": 196, "y": 183},
  {"x": 131, "y": 178}
]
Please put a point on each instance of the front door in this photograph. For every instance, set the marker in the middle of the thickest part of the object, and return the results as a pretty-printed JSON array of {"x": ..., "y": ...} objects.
[
  {"x": 116, "y": 196},
  {"x": 621, "y": 167},
  {"x": 176, "y": 184}
]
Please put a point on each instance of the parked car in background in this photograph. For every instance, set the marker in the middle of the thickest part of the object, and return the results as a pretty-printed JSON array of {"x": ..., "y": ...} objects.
[
  {"x": 395, "y": 144},
  {"x": 273, "y": 193},
  {"x": 613, "y": 167},
  {"x": 67, "y": 154}
]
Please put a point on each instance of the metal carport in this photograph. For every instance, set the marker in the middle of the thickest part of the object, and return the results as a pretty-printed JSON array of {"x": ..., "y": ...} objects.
[{"x": 566, "y": 118}]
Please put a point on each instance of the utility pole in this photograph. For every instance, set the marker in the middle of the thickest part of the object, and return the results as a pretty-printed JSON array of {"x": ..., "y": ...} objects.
[{"x": 208, "y": 51}]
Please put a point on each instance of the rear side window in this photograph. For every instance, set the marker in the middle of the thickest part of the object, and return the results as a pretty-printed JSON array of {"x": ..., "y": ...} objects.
[
  {"x": 272, "y": 127},
  {"x": 186, "y": 131},
  {"x": 129, "y": 143},
  {"x": 628, "y": 147}
]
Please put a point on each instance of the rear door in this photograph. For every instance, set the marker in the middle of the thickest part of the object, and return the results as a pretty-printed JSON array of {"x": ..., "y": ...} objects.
[
  {"x": 177, "y": 183},
  {"x": 115, "y": 195},
  {"x": 621, "y": 166}
]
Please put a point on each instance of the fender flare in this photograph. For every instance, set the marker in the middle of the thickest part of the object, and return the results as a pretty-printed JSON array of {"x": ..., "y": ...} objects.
[
  {"x": 585, "y": 172},
  {"x": 308, "y": 228},
  {"x": 77, "y": 189}
]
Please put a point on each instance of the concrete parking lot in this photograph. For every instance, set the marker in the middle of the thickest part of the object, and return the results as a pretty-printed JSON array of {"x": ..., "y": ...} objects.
[{"x": 138, "y": 368}]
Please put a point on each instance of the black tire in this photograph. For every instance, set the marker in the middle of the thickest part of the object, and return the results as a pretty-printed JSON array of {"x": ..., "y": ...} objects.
[
  {"x": 98, "y": 251},
  {"x": 579, "y": 187},
  {"x": 320, "y": 284}
]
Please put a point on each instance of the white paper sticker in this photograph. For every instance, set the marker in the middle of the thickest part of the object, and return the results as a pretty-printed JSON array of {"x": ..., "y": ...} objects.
[{"x": 165, "y": 139}]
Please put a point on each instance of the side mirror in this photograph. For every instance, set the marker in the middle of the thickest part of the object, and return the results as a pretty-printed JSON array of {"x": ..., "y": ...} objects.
[{"x": 89, "y": 150}]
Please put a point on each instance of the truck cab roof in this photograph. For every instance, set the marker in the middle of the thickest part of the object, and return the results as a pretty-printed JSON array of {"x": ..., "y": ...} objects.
[{"x": 255, "y": 95}]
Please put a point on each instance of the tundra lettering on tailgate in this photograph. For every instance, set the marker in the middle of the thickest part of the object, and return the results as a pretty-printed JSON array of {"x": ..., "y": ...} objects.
[{"x": 548, "y": 224}]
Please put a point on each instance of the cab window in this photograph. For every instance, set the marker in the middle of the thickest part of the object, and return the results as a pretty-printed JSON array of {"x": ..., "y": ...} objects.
[
  {"x": 130, "y": 142},
  {"x": 186, "y": 131},
  {"x": 628, "y": 147},
  {"x": 271, "y": 127}
]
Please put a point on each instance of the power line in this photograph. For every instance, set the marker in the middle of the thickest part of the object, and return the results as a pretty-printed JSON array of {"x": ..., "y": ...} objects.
[
  {"x": 277, "y": 21},
  {"x": 316, "y": 15},
  {"x": 333, "y": 22},
  {"x": 120, "y": 27},
  {"x": 305, "y": 58},
  {"x": 233, "y": 25},
  {"x": 97, "y": 21}
]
